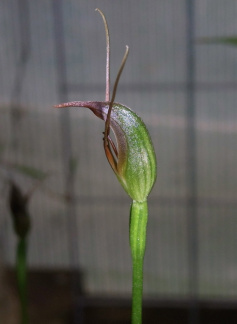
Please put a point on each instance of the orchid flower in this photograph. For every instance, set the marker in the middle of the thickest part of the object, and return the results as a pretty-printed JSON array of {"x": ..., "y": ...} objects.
[{"x": 133, "y": 160}]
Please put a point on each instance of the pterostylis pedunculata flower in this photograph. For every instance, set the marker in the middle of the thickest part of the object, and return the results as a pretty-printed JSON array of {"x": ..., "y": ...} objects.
[{"x": 132, "y": 158}]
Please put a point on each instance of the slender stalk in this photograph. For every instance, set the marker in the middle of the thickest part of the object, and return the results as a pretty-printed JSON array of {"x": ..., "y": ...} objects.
[
  {"x": 138, "y": 224},
  {"x": 22, "y": 278}
]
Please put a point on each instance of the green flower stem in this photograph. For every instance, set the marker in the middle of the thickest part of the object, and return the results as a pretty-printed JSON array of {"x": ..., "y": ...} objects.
[
  {"x": 138, "y": 224},
  {"x": 22, "y": 278}
]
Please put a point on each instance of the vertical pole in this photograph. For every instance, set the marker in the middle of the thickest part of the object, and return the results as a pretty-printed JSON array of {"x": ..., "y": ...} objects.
[
  {"x": 67, "y": 155},
  {"x": 24, "y": 55},
  {"x": 192, "y": 221}
]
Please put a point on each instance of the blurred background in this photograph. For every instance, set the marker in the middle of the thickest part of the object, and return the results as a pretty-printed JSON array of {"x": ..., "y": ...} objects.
[{"x": 53, "y": 51}]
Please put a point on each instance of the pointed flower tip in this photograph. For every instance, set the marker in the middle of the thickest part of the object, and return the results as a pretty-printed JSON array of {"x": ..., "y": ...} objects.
[{"x": 62, "y": 105}]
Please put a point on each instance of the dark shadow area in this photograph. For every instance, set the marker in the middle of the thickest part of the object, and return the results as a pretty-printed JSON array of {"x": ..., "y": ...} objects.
[{"x": 50, "y": 295}]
